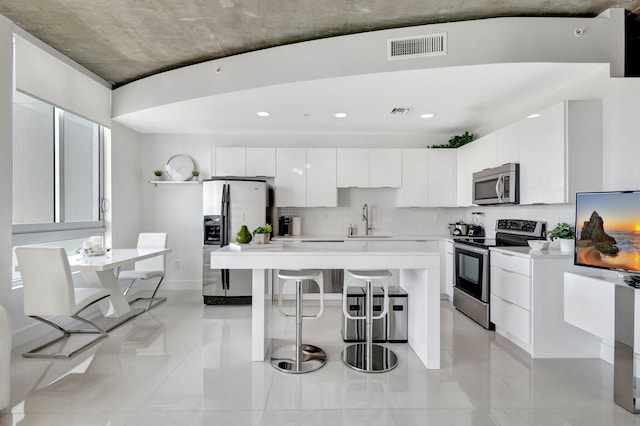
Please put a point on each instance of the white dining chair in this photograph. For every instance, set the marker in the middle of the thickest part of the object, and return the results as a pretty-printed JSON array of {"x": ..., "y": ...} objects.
[
  {"x": 49, "y": 291},
  {"x": 148, "y": 268}
]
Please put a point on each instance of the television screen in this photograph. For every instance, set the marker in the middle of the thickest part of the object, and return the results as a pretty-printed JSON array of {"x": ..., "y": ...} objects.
[{"x": 608, "y": 230}]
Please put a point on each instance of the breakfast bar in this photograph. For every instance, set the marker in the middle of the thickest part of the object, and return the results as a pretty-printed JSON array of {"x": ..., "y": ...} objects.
[{"x": 417, "y": 262}]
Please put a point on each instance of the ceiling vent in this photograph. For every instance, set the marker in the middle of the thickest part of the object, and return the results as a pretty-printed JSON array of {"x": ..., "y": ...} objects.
[
  {"x": 400, "y": 111},
  {"x": 417, "y": 46}
]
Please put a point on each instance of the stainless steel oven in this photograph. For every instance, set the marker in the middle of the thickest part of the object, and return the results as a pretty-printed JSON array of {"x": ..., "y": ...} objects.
[
  {"x": 472, "y": 278},
  {"x": 471, "y": 282}
]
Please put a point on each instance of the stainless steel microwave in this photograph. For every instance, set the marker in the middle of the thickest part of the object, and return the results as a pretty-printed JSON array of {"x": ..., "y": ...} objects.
[{"x": 498, "y": 185}]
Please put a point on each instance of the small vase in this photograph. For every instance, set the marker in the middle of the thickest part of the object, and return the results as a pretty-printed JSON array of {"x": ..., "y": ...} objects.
[
  {"x": 566, "y": 245},
  {"x": 243, "y": 236}
]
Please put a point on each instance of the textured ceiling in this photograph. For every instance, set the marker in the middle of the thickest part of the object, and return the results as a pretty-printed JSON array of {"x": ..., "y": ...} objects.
[{"x": 125, "y": 40}]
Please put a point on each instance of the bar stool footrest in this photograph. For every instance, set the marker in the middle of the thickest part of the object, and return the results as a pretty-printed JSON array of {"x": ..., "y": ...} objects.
[
  {"x": 284, "y": 359},
  {"x": 383, "y": 358}
]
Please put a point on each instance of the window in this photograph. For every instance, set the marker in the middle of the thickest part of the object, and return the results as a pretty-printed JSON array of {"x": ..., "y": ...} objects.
[{"x": 57, "y": 166}]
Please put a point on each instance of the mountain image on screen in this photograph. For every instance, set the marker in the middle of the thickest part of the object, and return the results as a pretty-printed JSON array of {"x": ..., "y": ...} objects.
[{"x": 593, "y": 234}]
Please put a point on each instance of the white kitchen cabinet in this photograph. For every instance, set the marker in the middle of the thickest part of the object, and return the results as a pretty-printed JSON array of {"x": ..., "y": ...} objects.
[
  {"x": 448, "y": 269},
  {"x": 415, "y": 179},
  {"x": 385, "y": 168},
  {"x": 508, "y": 144},
  {"x": 473, "y": 157},
  {"x": 306, "y": 177},
  {"x": 353, "y": 167},
  {"x": 291, "y": 177},
  {"x": 261, "y": 162},
  {"x": 527, "y": 304},
  {"x": 442, "y": 175},
  {"x": 369, "y": 168},
  {"x": 321, "y": 177},
  {"x": 230, "y": 161},
  {"x": 561, "y": 152},
  {"x": 240, "y": 161},
  {"x": 510, "y": 297}
]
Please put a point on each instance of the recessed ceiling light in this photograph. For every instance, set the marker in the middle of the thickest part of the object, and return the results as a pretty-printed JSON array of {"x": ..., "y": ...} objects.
[
  {"x": 533, "y": 116},
  {"x": 263, "y": 114},
  {"x": 340, "y": 115},
  {"x": 427, "y": 115}
]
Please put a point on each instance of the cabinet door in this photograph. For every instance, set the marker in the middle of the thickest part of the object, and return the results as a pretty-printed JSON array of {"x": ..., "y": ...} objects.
[
  {"x": 542, "y": 157},
  {"x": 442, "y": 177},
  {"x": 448, "y": 272},
  {"x": 261, "y": 162},
  {"x": 508, "y": 144},
  {"x": 415, "y": 179},
  {"x": 291, "y": 177},
  {"x": 321, "y": 177},
  {"x": 385, "y": 168},
  {"x": 230, "y": 161},
  {"x": 464, "y": 174},
  {"x": 353, "y": 167}
]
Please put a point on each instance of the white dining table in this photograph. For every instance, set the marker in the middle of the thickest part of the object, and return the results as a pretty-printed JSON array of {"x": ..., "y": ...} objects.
[
  {"x": 419, "y": 273},
  {"x": 102, "y": 271}
]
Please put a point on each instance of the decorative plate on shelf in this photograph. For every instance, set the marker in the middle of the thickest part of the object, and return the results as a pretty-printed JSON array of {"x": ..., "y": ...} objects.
[{"x": 180, "y": 167}]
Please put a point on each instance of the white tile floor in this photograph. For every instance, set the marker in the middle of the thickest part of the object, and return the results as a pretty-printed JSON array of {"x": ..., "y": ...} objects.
[{"x": 184, "y": 363}]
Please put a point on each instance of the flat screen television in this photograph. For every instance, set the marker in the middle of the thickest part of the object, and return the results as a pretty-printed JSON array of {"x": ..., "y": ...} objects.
[{"x": 608, "y": 231}]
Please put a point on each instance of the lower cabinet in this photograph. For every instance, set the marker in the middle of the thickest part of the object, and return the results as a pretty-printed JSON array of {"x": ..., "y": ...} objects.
[
  {"x": 511, "y": 297},
  {"x": 527, "y": 304}
]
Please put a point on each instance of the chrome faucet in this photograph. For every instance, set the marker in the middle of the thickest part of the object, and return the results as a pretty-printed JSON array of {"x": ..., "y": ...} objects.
[{"x": 365, "y": 218}]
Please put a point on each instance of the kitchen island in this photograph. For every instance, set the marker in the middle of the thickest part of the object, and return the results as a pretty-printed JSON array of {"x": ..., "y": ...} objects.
[{"x": 418, "y": 264}]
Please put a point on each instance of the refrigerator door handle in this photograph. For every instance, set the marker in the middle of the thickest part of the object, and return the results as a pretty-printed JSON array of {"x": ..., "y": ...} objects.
[{"x": 225, "y": 215}]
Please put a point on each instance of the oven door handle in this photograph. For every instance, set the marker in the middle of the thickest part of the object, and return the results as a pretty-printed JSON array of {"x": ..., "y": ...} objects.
[{"x": 462, "y": 246}]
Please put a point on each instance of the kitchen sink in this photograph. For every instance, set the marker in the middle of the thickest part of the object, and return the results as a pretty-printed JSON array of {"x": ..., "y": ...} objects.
[{"x": 369, "y": 236}]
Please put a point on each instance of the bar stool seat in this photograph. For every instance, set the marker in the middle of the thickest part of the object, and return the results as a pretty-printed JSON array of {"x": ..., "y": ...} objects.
[
  {"x": 299, "y": 358},
  {"x": 368, "y": 357}
]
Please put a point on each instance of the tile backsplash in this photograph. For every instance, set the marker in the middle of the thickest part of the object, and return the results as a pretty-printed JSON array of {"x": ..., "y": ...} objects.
[{"x": 386, "y": 219}]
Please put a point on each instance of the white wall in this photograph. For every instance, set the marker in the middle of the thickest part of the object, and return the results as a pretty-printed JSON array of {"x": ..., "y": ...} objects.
[{"x": 620, "y": 109}]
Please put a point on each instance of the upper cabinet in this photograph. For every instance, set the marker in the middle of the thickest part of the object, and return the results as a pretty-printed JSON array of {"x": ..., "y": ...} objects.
[
  {"x": 475, "y": 156},
  {"x": 306, "y": 177},
  {"x": 428, "y": 178},
  {"x": 561, "y": 152},
  {"x": 415, "y": 177},
  {"x": 234, "y": 161},
  {"x": 442, "y": 171},
  {"x": 369, "y": 168}
]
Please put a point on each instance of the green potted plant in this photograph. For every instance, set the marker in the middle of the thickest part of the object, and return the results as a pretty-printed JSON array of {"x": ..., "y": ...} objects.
[
  {"x": 566, "y": 233},
  {"x": 261, "y": 234},
  {"x": 196, "y": 175},
  {"x": 457, "y": 141},
  {"x": 158, "y": 174}
]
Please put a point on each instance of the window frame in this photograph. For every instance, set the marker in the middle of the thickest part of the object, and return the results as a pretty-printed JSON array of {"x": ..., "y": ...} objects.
[{"x": 59, "y": 230}]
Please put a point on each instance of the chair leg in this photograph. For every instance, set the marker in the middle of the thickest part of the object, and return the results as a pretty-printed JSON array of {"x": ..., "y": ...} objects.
[
  {"x": 153, "y": 300},
  {"x": 66, "y": 333},
  {"x": 126, "y": 291}
]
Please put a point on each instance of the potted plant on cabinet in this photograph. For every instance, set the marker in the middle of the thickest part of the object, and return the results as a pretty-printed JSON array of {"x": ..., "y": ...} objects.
[
  {"x": 157, "y": 174},
  {"x": 196, "y": 175},
  {"x": 261, "y": 234},
  {"x": 566, "y": 234}
]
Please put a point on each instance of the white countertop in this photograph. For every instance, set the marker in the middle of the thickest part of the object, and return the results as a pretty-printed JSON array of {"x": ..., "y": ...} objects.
[
  {"x": 531, "y": 253},
  {"x": 385, "y": 237},
  {"x": 336, "y": 255}
]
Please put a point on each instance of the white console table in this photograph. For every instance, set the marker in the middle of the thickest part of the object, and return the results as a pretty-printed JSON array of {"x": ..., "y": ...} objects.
[{"x": 418, "y": 263}]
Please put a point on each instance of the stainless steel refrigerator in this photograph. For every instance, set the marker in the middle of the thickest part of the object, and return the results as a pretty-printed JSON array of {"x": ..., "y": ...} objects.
[{"x": 228, "y": 203}]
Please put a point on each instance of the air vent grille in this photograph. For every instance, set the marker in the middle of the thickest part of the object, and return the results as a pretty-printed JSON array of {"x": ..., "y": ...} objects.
[{"x": 417, "y": 46}]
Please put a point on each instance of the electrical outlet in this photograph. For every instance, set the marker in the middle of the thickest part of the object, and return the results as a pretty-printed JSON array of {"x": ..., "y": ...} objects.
[{"x": 176, "y": 264}]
